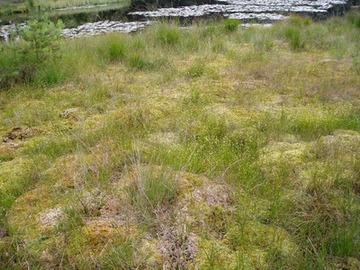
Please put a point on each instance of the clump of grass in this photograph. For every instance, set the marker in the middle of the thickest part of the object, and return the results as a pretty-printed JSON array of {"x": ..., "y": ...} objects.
[
  {"x": 114, "y": 48},
  {"x": 356, "y": 63},
  {"x": 139, "y": 62},
  {"x": 307, "y": 127},
  {"x": 354, "y": 19},
  {"x": 167, "y": 35},
  {"x": 196, "y": 70},
  {"x": 162, "y": 64},
  {"x": 318, "y": 36},
  {"x": 300, "y": 21},
  {"x": 293, "y": 35},
  {"x": 151, "y": 190},
  {"x": 73, "y": 220},
  {"x": 121, "y": 256},
  {"x": 196, "y": 97},
  {"x": 357, "y": 22},
  {"x": 218, "y": 46},
  {"x": 209, "y": 31},
  {"x": 51, "y": 74},
  {"x": 231, "y": 25},
  {"x": 264, "y": 42}
]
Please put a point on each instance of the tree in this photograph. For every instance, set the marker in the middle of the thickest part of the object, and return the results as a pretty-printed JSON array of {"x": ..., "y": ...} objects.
[
  {"x": 29, "y": 49},
  {"x": 41, "y": 39}
]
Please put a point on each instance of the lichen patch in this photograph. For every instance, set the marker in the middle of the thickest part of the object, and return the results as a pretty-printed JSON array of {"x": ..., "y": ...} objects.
[{"x": 51, "y": 217}]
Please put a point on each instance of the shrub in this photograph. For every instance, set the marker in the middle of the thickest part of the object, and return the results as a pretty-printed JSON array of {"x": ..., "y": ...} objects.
[{"x": 41, "y": 38}]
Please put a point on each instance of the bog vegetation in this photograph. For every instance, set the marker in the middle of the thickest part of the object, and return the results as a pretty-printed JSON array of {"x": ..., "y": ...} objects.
[{"x": 210, "y": 147}]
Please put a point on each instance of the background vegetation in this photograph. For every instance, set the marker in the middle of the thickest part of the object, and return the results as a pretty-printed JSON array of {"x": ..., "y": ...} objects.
[
  {"x": 8, "y": 7},
  {"x": 212, "y": 147}
]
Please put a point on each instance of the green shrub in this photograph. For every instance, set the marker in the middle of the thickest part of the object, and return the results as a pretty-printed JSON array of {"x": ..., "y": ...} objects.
[
  {"x": 231, "y": 25},
  {"x": 41, "y": 38}
]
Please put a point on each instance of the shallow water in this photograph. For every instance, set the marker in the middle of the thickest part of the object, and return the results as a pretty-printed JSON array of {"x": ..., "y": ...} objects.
[
  {"x": 255, "y": 7},
  {"x": 254, "y": 11}
]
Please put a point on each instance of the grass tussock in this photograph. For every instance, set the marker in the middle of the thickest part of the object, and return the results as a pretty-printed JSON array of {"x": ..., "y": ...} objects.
[{"x": 213, "y": 147}]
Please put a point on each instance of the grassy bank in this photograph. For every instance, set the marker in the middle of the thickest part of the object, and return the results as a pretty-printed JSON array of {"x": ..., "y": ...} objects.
[{"x": 211, "y": 147}]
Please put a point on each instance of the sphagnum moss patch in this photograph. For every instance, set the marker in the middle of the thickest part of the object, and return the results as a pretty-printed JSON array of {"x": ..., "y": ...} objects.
[{"x": 199, "y": 148}]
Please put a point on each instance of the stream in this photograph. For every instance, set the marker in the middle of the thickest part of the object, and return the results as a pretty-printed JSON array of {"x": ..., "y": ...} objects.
[{"x": 94, "y": 20}]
